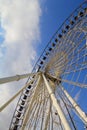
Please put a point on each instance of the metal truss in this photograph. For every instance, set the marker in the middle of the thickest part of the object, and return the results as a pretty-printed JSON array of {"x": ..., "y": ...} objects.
[{"x": 45, "y": 104}]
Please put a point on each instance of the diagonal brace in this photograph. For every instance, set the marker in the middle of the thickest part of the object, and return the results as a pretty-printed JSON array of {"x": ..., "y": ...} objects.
[{"x": 15, "y": 78}]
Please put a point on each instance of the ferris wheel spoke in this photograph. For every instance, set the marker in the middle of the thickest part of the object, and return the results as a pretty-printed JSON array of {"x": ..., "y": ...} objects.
[
  {"x": 78, "y": 62},
  {"x": 68, "y": 111},
  {"x": 68, "y": 41},
  {"x": 68, "y": 72},
  {"x": 37, "y": 116},
  {"x": 63, "y": 64},
  {"x": 80, "y": 113},
  {"x": 44, "y": 104},
  {"x": 75, "y": 83},
  {"x": 28, "y": 110},
  {"x": 47, "y": 118}
]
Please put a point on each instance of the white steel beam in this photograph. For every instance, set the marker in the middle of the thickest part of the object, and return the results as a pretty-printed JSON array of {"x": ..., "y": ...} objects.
[
  {"x": 48, "y": 116},
  {"x": 15, "y": 78},
  {"x": 30, "y": 105},
  {"x": 10, "y": 100},
  {"x": 79, "y": 111},
  {"x": 56, "y": 105}
]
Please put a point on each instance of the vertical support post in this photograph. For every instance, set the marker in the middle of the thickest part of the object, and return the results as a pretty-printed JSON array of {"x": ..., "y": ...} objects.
[
  {"x": 80, "y": 113},
  {"x": 56, "y": 105}
]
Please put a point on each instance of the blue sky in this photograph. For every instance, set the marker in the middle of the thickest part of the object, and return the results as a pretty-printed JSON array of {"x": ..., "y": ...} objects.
[
  {"x": 18, "y": 35},
  {"x": 54, "y": 14}
]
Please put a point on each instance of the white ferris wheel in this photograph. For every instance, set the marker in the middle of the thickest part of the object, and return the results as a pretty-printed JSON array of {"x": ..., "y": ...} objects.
[{"x": 47, "y": 101}]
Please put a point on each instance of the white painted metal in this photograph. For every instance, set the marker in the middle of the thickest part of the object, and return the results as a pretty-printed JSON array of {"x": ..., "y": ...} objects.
[
  {"x": 30, "y": 105},
  {"x": 56, "y": 105},
  {"x": 47, "y": 118},
  {"x": 15, "y": 78},
  {"x": 10, "y": 100},
  {"x": 79, "y": 111}
]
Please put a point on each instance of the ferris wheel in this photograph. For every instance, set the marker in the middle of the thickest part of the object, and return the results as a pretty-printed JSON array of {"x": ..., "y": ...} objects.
[{"x": 47, "y": 101}]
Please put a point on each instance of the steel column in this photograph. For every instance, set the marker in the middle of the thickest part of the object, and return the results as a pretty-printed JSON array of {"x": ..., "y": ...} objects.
[{"x": 56, "y": 105}]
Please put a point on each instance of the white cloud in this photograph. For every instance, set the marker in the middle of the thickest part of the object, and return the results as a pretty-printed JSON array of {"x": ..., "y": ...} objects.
[
  {"x": 20, "y": 20},
  {"x": 21, "y": 23}
]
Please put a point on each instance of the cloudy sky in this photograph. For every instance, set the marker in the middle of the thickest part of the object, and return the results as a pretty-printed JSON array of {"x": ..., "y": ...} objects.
[
  {"x": 20, "y": 33},
  {"x": 25, "y": 28}
]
